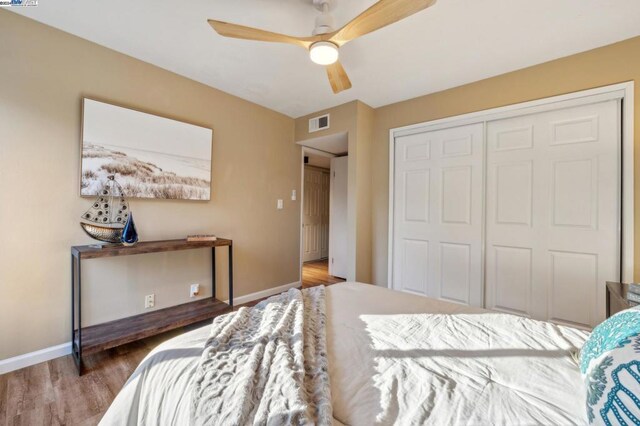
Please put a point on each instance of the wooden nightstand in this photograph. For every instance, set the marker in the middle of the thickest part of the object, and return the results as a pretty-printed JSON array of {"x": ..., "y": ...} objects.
[{"x": 616, "y": 298}]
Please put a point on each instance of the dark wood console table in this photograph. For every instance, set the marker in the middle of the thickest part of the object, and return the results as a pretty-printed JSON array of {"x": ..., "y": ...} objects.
[{"x": 100, "y": 337}]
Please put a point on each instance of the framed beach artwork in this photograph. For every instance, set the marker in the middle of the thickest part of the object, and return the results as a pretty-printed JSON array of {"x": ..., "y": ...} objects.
[{"x": 149, "y": 156}]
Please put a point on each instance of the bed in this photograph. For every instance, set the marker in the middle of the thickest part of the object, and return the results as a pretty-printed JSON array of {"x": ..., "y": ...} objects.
[{"x": 397, "y": 358}]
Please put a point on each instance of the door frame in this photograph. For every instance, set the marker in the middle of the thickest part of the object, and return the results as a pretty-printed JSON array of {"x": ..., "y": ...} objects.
[
  {"x": 622, "y": 91},
  {"x": 303, "y": 151}
]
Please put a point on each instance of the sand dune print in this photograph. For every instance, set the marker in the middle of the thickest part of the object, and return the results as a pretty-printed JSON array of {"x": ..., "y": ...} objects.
[
  {"x": 149, "y": 156},
  {"x": 145, "y": 174}
]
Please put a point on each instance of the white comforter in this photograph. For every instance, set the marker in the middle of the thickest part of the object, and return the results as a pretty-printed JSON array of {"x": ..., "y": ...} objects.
[{"x": 396, "y": 358}]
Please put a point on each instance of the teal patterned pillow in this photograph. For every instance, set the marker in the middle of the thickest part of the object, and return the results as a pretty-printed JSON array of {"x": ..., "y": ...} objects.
[
  {"x": 613, "y": 374},
  {"x": 612, "y": 333}
]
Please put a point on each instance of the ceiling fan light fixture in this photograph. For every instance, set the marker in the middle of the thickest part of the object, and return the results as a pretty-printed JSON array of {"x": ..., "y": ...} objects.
[
  {"x": 323, "y": 46},
  {"x": 323, "y": 53}
]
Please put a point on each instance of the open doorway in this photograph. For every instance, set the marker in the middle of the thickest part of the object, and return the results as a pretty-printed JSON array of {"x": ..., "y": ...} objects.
[{"x": 323, "y": 214}]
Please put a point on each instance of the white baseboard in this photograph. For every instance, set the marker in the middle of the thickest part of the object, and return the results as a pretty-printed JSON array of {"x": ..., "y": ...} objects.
[
  {"x": 262, "y": 294},
  {"x": 46, "y": 354},
  {"x": 32, "y": 358}
]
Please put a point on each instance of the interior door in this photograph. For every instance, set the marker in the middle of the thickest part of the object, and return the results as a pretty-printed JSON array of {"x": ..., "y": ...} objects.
[
  {"x": 313, "y": 214},
  {"x": 553, "y": 203},
  {"x": 438, "y": 196},
  {"x": 338, "y": 217}
]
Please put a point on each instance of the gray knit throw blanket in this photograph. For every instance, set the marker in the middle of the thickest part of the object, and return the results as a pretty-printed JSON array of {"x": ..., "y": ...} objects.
[{"x": 266, "y": 365}]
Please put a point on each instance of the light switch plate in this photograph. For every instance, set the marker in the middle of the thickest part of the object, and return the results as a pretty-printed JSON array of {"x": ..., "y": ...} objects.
[
  {"x": 294, "y": 195},
  {"x": 280, "y": 204}
]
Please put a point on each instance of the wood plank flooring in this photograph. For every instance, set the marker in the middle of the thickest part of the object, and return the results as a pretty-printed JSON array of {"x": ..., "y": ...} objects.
[
  {"x": 316, "y": 273},
  {"x": 51, "y": 393}
]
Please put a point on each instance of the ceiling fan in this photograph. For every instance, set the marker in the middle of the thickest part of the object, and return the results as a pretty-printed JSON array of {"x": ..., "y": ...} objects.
[{"x": 325, "y": 42}]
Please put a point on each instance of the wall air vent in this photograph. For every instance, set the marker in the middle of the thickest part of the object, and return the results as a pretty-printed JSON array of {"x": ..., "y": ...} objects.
[{"x": 319, "y": 123}]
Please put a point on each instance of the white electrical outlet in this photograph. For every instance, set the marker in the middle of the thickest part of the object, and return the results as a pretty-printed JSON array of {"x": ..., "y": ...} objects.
[
  {"x": 294, "y": 195},
  {"x": 280, "y": 204},
  {"x": 195, "y": 290},
  {"x": 149, "y": 301}
]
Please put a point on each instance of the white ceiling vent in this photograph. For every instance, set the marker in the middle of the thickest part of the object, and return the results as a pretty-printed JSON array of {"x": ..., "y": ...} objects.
[{"x": 319, "y": 123}]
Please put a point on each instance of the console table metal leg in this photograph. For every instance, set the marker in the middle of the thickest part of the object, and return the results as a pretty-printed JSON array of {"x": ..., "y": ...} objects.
[
  {"x": 76, "y": 343},
  {"x": 79, "y": 315},
  {"x": 73, "y": 308},
  {"x": 213, "y": 272},
  {"x": 231, "y": 275}
]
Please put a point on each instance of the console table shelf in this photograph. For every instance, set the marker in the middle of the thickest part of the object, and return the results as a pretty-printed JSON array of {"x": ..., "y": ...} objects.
[
  {"x": 108, "y": 335},
  {"x": 95, "y": 338}
]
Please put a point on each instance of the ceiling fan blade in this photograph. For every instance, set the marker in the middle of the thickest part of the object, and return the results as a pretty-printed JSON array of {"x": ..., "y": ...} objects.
[
  {"x": 248, "y": 33},
  {"x": 381, "y": 14},
  {"x": 338, "y": 77}
]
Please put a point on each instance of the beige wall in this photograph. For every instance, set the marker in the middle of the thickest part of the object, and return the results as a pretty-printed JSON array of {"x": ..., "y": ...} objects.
[
  {"x": 343, "y": 119},
  {"x": 365, "y": 124},
  {"x": 608, "y": 65},
  {"x": 44, "y": 73},
  {"x": 355, "y": 118}
]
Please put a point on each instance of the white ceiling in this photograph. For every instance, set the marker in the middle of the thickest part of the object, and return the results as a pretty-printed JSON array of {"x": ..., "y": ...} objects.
[
  {"x": 319, "y": 161},
  {"x": 336, "y": 143},
  {"x": 453, "y": 43}
]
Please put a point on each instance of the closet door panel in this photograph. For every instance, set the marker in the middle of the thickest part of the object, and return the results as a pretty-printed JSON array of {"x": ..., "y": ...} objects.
[
  {"x": 412, "y": 212},
  {"x": 511, "y": 275},
  {"x": 438, "y": 196},
  {"x": 553, "y": 191}
]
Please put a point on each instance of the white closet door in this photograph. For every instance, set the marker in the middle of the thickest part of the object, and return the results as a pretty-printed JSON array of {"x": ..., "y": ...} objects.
[
  {"x": 553, "y": 203},
  {"x": 438, "y": 214}
]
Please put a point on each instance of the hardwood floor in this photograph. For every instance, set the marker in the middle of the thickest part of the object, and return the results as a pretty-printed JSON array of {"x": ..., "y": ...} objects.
[
  {"x": 51, "y": 393},
  {"x": 316, "y": 273}
]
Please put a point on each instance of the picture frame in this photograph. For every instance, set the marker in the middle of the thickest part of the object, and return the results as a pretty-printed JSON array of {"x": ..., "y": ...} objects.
[{"x": 150, "y": 156}]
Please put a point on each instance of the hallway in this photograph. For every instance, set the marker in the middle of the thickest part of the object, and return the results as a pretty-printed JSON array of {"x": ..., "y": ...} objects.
[{"x": 316, "y": 273}]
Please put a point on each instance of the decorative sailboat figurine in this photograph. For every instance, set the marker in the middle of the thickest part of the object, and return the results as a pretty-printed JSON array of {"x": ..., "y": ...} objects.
[{"x": 106, "y": 218}]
